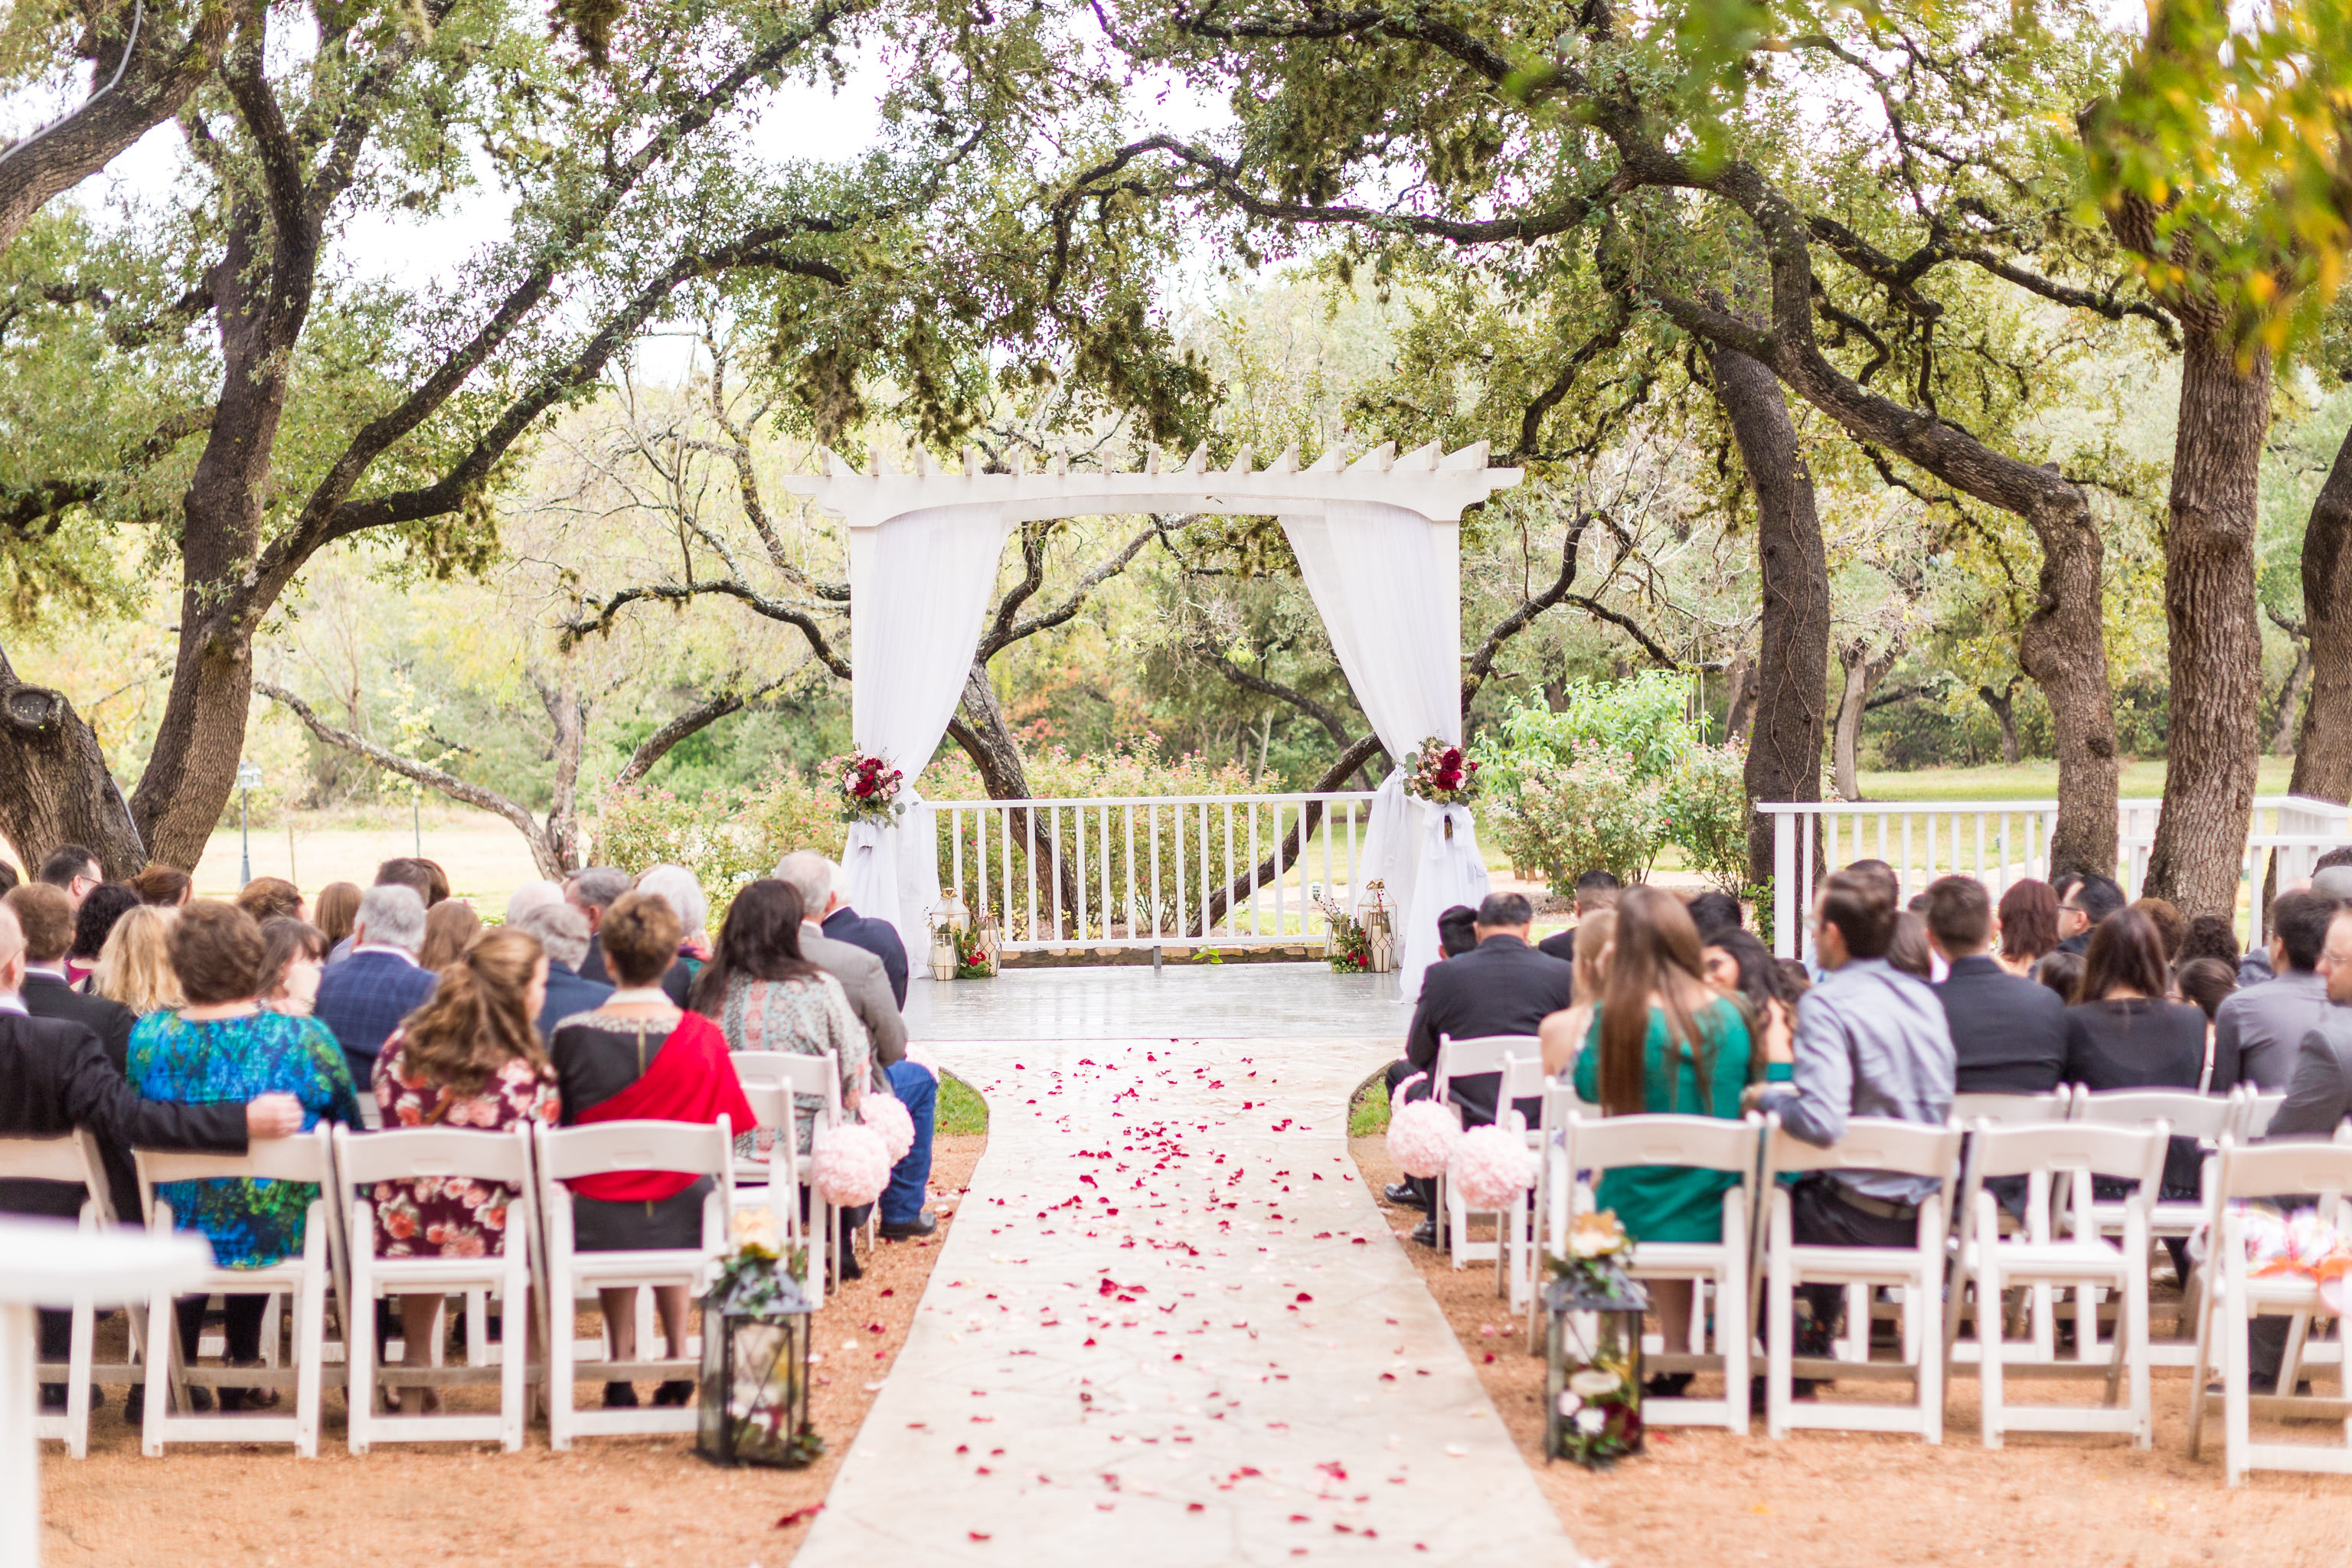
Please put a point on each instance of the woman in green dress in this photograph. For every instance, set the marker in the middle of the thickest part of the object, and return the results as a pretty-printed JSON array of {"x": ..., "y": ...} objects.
[{"x": 1664, "y": 1041}]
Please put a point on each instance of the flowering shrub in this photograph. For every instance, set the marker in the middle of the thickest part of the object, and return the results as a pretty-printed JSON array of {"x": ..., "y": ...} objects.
[
  {"x": 725, "y": 837},
  {"x": 1597, "y": 812},
  {"x": 1706, "y": 804}
]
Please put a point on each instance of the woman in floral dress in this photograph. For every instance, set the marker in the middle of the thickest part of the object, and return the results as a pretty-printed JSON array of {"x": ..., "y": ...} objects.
[{"x": 470, "y": 1057}]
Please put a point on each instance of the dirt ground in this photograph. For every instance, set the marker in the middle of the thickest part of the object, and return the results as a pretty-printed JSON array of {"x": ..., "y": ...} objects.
[
  {"x": 609, "y": 1503},
  {"x": 1710, "y": 1500}
]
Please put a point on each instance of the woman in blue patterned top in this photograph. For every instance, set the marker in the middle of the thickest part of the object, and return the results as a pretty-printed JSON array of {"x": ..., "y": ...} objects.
[{"x": 225, "y": 1046}]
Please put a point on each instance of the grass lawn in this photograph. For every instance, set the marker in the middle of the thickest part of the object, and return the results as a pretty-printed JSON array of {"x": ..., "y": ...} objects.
[
  {"x": 2034, "y": 781},
  {"x": 961, "y": 1110}
]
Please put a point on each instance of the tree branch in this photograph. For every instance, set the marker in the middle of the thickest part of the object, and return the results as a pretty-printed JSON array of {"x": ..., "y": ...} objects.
[
  {"x": 408, "y": 768},
  {"x": 701, "y": 716}
]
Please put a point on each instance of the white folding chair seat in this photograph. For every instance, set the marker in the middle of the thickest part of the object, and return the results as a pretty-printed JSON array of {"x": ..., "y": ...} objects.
[
  {"x": 2236, "y": 1175},
  {"x": 1471, "y": 1057},
  {"x": 2204, "y": 1117},
  {"x": 500, "y": 1157},
  {"x": 817, "y": 1077},
  {"x": 1871, "y": 1144},
  {"x": 563, "y": 1154},
  {"x": 1515, "y": 1254},
  {"x": 1721, "y": 1267},
  {"x": 305, "y": 1275},
  {"x": 71, "y": 1158},
  {"x": 2036, "y": 1257}
]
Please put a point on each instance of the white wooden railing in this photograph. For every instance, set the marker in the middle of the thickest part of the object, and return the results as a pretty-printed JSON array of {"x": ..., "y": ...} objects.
[
  {"x": 2003, "y": 841},
  {"x": 1153, "y": 872}
]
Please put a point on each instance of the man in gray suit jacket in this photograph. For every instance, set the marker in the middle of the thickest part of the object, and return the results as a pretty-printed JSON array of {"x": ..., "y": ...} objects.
[
  {"x": 2319, "y": 1086},
  {"x": 860, "y": 972}
]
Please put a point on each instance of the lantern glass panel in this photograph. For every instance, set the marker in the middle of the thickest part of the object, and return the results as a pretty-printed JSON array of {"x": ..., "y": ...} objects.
[
  {"x": 1593, "y": 1372},
  {"x": 752, "y": 1405}
]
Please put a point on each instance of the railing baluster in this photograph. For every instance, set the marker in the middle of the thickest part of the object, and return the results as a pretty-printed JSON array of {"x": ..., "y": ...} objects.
[
  {"x": 1249, "y": 809},
  {"x": 1129, "y": 810}
]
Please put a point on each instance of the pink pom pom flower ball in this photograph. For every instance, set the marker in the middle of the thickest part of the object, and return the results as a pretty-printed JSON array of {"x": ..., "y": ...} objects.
[
  {"x": 886, "y": 1116},
  {"x": 1422, "y": 1135},
  {"x": 851, "y": 1164},
  {"x": 1491, "y": 1168}
]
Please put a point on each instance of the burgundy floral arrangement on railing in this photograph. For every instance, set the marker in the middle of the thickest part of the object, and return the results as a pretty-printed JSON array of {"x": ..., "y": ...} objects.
[
  {"x": 1442, "y": 774},
  {"x": 869, "y": 788}
]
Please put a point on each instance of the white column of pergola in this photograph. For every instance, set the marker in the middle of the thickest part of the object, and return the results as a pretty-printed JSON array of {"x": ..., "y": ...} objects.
[{"x": 1378, "y": 543}]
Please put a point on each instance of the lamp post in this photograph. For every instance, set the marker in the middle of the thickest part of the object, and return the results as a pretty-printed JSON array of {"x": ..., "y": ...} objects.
[{"x": 247, "y": 776}]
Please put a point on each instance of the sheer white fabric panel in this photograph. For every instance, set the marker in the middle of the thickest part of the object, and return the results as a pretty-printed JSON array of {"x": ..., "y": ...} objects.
[
  {"x": 1387, "y": 581},
  {"x": 919, "y": 591}
]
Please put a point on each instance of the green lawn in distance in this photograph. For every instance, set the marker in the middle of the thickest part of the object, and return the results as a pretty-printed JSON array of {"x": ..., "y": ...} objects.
[{"x": 2035, "y": 781}]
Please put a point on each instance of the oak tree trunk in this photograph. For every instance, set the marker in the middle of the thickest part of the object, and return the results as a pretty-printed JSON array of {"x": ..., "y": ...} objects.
[
  {"x": 2004, "y": 704},
  {"x": 2215, "y": 645},
  {"x": 1863, "y": 674},
  {"x": 2298, "y": 681},
  {"x": 54, "y": 784},
  {"x": 2323, "y": 749},
  {"x": 1791, "y": 680},
  {"x": 979, "y": 727},
  {"x": 2063, "y": 647}
]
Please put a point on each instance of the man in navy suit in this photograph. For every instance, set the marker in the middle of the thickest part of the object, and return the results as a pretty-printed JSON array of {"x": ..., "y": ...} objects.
[
  {"x": 2008, "y": 1034},
  {"x": 562, "y": 932},
  {"x": 363, "y": 998},
  {"x": 878, "y": 937}
]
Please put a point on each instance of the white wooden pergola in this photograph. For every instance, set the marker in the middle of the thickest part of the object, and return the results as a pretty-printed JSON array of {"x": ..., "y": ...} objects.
[{"x": 1377, "y": 541}]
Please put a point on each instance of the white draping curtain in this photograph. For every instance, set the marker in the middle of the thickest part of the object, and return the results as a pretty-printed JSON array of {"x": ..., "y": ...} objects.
[
  {"x": 919, "y": 590},
  {"x": 1387, "y": 581}
]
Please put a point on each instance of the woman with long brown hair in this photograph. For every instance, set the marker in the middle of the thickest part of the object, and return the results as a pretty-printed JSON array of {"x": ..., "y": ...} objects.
[
  {"x": 468, "y": 1058},
  {"x": 1664, "y": 1041},
  {"x": 2027, "y": 921},
  {"x": 2122, "y": 1033}
]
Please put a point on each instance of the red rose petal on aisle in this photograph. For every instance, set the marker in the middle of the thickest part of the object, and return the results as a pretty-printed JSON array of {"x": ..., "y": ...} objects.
[
  {"x": 977, "y": 1534},
  {"x": 800, "y": 1516}
]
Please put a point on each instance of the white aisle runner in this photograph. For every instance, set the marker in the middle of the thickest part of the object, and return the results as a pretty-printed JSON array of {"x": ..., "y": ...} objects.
[{"x": 1170, "y": 1327}]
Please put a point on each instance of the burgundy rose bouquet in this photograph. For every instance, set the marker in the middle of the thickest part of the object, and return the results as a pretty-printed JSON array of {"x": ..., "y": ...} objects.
[
  {"x": 869, "y": 788},
  {"x": 1442, "y": 774}
]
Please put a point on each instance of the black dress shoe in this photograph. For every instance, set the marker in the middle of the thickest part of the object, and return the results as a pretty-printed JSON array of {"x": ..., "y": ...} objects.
[
  {"x": 620, "y": 1396},
  {"x": 922, "y": 1224},
  {"x": 677, "y": 1390},
  {"x": 1404, "y": 1196},
  {"x": 1425, "y": 1233}
]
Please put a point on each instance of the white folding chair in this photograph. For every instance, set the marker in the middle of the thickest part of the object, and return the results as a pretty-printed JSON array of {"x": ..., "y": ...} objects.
[
  {"x": 1472, "y": 1057},
  {"x": 1522, "y": 1078},
  {"x": 306, "y": 1276},
  {"x": 2020, "y": 1111},
  {"x": 2255, "y": 1110},
  {"x": 445, "y": 1152},
  {"x": 817, "y": 1079},
  {"x": 2204, "y": 1117},
  {"x": 1876, "y": 1144},
  {"x": 2079, "y": 1151},
  {"x": 1698, "y": 1143},
  {"x": 2323, "y": 1173},
  {"x": 1557, "y": 1181},
  {"x": 70, "y": 1158},
  {"x": 563, "y": 1154}
]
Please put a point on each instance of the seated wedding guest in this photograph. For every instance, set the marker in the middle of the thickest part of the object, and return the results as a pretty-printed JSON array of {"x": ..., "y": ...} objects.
[
  {"x": 878, "y": 937},
  {"x": 293, "y": 957},
  {"x": 134, "y": 967},
  {"x": 225, "y": 1046},
  {"x": 2083, "y": 900},
  {"x": 267, "y": 898},
  {"x": 861, "y": 971},
  {"x": 2027, "y": 921},
  {"x": 1457, "y": 930},
  {"x": 45, "y": 917},
  {"x": 1566, "y": 1032},
  {"x": 2008, "y": 1034},
  {"x": 55, "y": 1077},
  {"x": 421, "y": 877},
  {"x": 2319, "y": 1086},
  {"x": 468, "y": 1058},
  {"x": 2207, "y": 982},
  {"x": 1665, "y": 1042},
  {"x": 450, "y": 926},
  {"x": 1712, "y": 912},
  {"x": 339, "y": 906},
  {"x": 73, "y": 871},
  {"x": 562, "y": 933},
  {"x": 2211, "y": 936},
  {"x": 2061, "y": 972},
  {"x": 678, "y": 887},
  {"x": 363, "y": 998},
  {"x": 1738, "y": 965},
  {"x": 93, "y": 923},
  {"x": 1909, "y": 951},
  {"x": 1503, "y": 987},
  {"x": 437, "y": 880},
  {"x": 639, "y": 1057},
  {"x": 167, "y": 886},
  {"x": 1595, "y": 890},
  {"x": 766, "y": 997},
  {"x": 2171, "y": 928},
  {"x": 1871, "y": 1041},
  {"x": 2123, "y": 1034},
  {"x": 591, "y": 892},
  {"x": 2257, "y": 1031}
]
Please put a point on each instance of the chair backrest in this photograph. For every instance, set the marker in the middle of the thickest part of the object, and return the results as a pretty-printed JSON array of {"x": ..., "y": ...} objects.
[
  {"x": 60, "y": 1157},
  {"x": 1698, "y": 1143},
  {"x": 2192, "y": 1115},
  {"x": 771, "y": 1102},
  {"x": 686, "y": 1148},
  {"x": 1523, "y": 1078},
  {"x": 2135, "y": 1153},
  {"x": 1478, "y": 1054},
  {"x": 305, "y": 1157},
  {"x": 819, "y": 1074},
  {"x": 503, "y": 1157},
  {"x": 1871, "y": 1144},
  {"x": 2281, "y": 1170},
  {"x": 2013, "y": 1110},
  {"x": 2254, "y": 1114}
]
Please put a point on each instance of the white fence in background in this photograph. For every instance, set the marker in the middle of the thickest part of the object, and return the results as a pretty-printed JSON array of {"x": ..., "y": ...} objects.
[
  {"x": 2004, "y": 841},
  {"x": 1144, "y": 871}
]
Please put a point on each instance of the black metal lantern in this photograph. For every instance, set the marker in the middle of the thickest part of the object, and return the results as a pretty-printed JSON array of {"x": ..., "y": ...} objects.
[
  {"x": 753, "y": 1405},
  {"x": 1593, "y": 1384}
]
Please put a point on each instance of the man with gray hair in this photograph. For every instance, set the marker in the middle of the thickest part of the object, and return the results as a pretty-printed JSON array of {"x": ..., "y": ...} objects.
[
  {"x": 562, "y": 932},
  {"x": 591, "y": 892},
  {"x": 811, "y": 875},
  {"x": 363, "y": 998},
  {"x": 531, "y": 896}
]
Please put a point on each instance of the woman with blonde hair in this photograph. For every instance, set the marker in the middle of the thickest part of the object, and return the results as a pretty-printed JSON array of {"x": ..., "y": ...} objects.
[
  {"x": 468, "y": 1058},
  {"x": 134, "y": 967},
  {"x": 450, "y": 926},
  {"x": 1563, "y": 1032}
]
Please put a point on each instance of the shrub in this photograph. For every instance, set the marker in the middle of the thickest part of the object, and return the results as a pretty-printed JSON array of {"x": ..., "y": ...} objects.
[
  {"x": 1705, "y": 805},
  {"x": 1597, "y": 812},
  {"x": 725, "y": 837}
]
